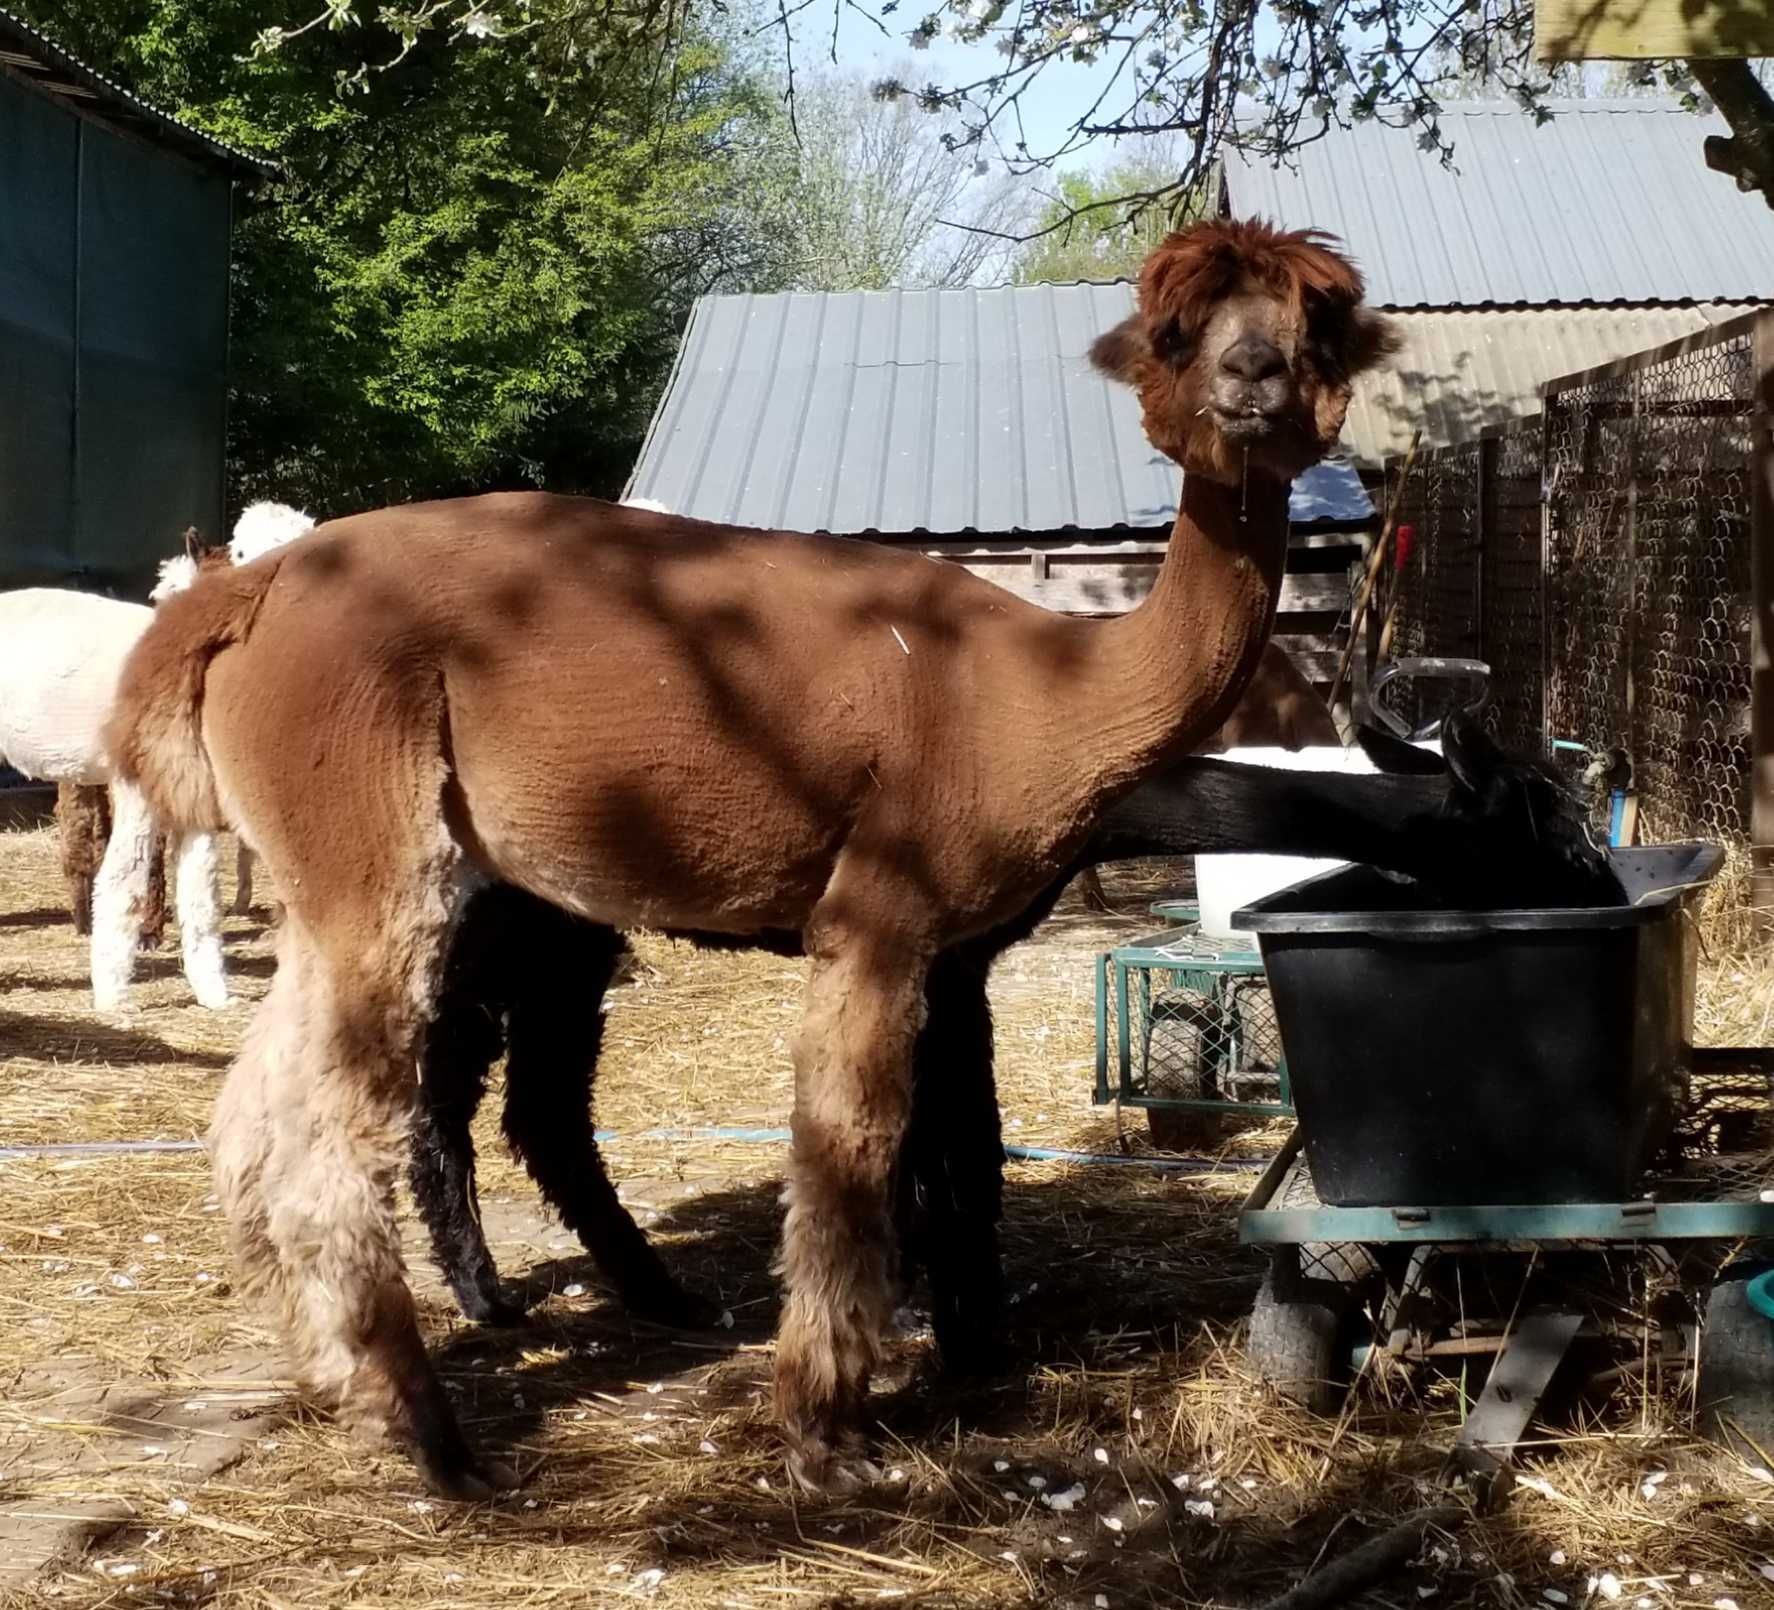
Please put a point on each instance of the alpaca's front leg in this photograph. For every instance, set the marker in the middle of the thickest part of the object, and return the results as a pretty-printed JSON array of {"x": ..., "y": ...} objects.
[
  {"x": 120, "y": 896},
  {"x": 558, "y": 969},
  {"x": 853, "y": 1083},
  {"x": 197, "y": 897}
]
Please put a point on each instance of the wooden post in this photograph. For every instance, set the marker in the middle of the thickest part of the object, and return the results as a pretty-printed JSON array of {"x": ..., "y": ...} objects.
[{"x": 1761, "y": 563}]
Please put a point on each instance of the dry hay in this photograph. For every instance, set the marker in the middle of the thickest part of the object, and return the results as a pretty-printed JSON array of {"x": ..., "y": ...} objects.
[{"x": 1128, "y": 1292}]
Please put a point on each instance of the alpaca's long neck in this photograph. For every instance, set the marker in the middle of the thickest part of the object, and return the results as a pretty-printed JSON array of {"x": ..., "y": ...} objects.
[{"x": 1162, "y": 678}]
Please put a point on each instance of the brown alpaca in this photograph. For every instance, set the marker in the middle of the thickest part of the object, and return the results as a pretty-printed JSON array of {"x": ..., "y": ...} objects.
[{"x": 645, "y": 719}]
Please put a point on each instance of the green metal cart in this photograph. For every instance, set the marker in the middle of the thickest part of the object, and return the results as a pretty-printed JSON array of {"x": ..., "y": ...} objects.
[{"x": 1186, "y": 1030}]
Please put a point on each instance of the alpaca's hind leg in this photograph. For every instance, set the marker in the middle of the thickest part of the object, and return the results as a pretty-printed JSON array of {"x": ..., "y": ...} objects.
[
  {"x": 953, "y": 1174},
  {"x": 853, "y": 1086},
  {"x": 462, "y": 1042},
  {"x": 119, "y": 896},
  {"x": 197, "y": 892},
  {"x": 80, "y": 816},
  {"x": 153, "y": 934},
  {"x": 307, "y": 1146},
  {"x": 243, "y": 880},
  {"x": 559, "y": 968}
]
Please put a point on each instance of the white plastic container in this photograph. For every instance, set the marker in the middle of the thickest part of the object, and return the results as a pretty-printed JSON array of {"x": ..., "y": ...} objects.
[{"x": 1225, "y": 883}]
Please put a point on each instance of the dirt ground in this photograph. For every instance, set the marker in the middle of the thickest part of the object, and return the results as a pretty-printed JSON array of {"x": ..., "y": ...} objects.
[{"x": 150, "y": 1451}]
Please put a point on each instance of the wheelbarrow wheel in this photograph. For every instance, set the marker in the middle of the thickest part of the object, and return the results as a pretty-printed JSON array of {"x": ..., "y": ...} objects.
[
  {"x": 1182, "y": 1032},
  {"x": 1736, "y": 1387},
  {"x": 1293, "y": 1346}
]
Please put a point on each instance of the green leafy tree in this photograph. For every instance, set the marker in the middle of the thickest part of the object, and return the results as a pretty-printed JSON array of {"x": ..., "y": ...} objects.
[
  {"x": 470, "y": 266},
  {"x": 1101, "y": 226}
]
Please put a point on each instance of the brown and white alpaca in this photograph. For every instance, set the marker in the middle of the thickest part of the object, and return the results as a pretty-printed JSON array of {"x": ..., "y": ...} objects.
[{"x": 644, "y": 719}]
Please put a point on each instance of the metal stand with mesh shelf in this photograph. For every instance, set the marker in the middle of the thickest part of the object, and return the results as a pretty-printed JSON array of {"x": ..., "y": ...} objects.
[{"x": 1194, "y": 1035}]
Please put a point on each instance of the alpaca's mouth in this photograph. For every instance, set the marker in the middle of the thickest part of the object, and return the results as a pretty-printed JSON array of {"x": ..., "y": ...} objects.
[{"x": 1246, "y": 425}]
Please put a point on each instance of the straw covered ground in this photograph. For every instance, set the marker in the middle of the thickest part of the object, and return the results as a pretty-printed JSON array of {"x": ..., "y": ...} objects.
[{"x": 1123, "y": 1457}]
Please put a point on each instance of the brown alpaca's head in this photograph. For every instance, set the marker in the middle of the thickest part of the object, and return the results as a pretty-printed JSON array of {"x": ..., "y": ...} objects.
[{"x": 1245, "y": 347}]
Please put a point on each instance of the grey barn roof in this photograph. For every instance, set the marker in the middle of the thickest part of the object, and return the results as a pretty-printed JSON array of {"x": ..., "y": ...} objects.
[
  {"x": 1461, "y": 371},
  {"x": 939, "y": 411},
  {"x": 32, "y": 57},
  {"x": 1609, "y": 202}
]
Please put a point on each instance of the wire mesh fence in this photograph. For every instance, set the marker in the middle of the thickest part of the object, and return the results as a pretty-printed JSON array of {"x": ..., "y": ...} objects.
[{"x": 1598, "y": 556}]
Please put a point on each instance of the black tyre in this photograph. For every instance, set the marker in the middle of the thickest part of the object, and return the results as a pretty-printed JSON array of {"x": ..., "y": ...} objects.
[
  {"x": 1293, "y": 1346},
  {"x": 1183, "y": 1033},
  {"x": 1736, "y": 1387}
]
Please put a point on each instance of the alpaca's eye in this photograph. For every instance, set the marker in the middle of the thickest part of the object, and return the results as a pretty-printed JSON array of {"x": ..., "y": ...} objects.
[
  {"x": 1327, "y": 335},
  {"x": 1172, "y": 343}
]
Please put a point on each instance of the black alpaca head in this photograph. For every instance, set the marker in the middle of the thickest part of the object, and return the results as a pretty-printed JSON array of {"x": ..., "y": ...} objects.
[{"x": 1522, "y": 833}]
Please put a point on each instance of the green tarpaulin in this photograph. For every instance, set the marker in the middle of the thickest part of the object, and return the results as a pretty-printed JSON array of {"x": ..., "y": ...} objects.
[{"x": 113, "y": 349}]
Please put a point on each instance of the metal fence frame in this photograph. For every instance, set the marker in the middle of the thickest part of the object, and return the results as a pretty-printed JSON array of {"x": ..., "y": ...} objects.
[{"x": 1612, "y": 557}]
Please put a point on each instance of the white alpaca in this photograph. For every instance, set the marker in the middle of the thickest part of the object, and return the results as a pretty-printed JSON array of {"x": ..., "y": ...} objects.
[
  {"x": 65, "y": 653},
  {"x": 58, "y": 678},
  {"x": 264, "y": 526}
]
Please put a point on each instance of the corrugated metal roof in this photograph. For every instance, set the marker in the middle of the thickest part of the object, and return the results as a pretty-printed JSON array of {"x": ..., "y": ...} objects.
[
  {"x": 901, "y": 411},
  {"x": 36, "y": 59},
  {"x": 1459, "y": 372},
  {"x": 1608, "y": 202}
]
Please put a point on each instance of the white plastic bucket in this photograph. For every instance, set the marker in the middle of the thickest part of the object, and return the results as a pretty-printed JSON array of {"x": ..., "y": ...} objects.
[{"x": 1225, "y": 883}]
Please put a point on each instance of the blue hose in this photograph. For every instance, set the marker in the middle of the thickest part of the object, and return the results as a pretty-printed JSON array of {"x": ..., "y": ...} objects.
[
  {"x": 609, "y": 1137},
  {"x": 1760, "y": 1293}
]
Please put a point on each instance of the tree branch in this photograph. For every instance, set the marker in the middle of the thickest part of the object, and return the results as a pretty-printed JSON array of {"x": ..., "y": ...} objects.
[{"x": 1747, "y": 153}]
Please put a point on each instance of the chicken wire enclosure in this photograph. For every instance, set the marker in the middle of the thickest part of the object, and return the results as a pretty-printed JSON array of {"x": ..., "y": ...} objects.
[
  {"x": 1511, "y": 599},
  {"x": 1649, "y": 578},
  {"x": 1434, "y": 605},
  {"x": 1601, "y": 558},
  {"x": 1185, "y": 1021}
]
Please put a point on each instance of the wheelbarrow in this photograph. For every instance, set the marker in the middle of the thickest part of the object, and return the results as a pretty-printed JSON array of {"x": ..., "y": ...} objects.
[{"x": 1505, "y": 1146}]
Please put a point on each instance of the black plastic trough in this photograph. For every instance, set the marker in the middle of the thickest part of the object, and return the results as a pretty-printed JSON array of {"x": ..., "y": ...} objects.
[{"x": 1441, "y": 1056}]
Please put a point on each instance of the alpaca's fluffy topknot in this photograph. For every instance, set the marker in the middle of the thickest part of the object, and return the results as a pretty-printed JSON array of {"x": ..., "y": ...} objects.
[
  {"x": 176, "y": 574},
  {"x": 264, "y": 526}
]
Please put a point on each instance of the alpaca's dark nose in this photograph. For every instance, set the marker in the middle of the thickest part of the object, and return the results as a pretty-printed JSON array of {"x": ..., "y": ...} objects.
[{"x": 1251, "y": 358}]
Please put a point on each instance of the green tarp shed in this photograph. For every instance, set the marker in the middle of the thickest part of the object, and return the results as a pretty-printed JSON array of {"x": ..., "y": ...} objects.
[{"x": 114, "y": 237}]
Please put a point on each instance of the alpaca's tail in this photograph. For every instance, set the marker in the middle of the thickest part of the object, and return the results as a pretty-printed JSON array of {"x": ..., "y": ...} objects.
[{"x": 155, "y": 734}]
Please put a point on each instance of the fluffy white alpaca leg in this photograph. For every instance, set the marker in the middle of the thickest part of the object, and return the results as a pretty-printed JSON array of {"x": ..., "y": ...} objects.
[
  {"x": 197, "y": 898},
  {"x": 243, "y": 880},
  {"x": 119, "y": 897}
]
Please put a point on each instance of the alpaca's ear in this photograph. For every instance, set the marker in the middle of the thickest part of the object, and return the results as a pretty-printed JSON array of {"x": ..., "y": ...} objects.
[
  {"x": 1396, "y": 756},
  {"x": 1118, "y": 353},
  {"x": 1471, "y": 756},
  {"x": 1371, "y": 340}
]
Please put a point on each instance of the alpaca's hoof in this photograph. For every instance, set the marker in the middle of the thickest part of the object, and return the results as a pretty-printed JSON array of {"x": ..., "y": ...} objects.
[
  {"x": 665, "y": 1302},
  {"x": 466, "y": 1479},
  {"x": 213, "y": 1000},
  {"x": 493, "y": 1309},
  {"x": 819, "y": 1468}
]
